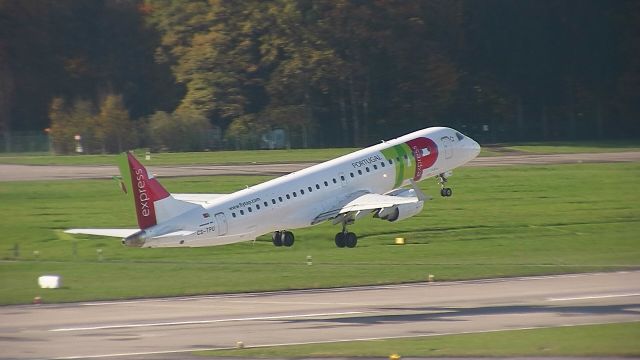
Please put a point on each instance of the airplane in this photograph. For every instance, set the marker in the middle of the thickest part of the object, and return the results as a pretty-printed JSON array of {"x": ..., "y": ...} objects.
[{"x": 380, "y": 180}]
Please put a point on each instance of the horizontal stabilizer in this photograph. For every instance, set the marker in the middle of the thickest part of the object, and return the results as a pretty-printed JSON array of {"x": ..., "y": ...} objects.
[
  {"x": 121, "y": 233},
  {"x": 199, "y": 199}
]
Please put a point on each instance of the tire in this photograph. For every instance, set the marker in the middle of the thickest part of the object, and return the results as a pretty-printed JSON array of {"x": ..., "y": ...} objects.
[
  {"x": 443, "y": 192},
  {"x": 351, "y": 240},
  {"x": 276, "y": 238},
  {"x": 448, "y": 192},
  {"x": 287, "y": 238},
  {"x": 340, "y": 241}
]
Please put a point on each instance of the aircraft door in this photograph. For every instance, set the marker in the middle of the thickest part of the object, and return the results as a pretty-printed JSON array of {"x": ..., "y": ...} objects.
[
  {"x": 222, "y": 223},
  {"x": 448, "y": 149}
]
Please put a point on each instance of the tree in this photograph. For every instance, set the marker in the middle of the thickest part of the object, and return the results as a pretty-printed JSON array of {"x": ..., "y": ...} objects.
[
  {"x": 180, "y": 132},
  {"x": 115, "y": 129},
  {"x": 67, "y": 123}
]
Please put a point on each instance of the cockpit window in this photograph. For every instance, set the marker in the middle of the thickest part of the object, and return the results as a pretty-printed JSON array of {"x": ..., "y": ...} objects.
[{"x": 459, "y": 136}]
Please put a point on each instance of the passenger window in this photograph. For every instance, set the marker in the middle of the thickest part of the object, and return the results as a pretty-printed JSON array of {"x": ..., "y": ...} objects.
[
  {"x": 375, "y": 167},
  {"x": 294, "y": 194},
  {"x": 273, "y": 201},
  {"x": 334, "y": 179},
  {"x": 233, "y": 214},
  {"x": 459, "y": 136},
  {"x": 341, "y": 178},
  {"x": 280, "y": 198},
  {"x": 326, "y": 183},
  {"x": 367, "y": 168},
  {"x": 352, "y": 174},
  {"x": 382, "y": 164},
  {"x": 390, "y": 161},
  {"x": 310, "y": 189},
  {"x": 301, "y": 192},
  {"x": 266, "y": 204},
  {"x": 359, "y": 172},
  {"x": 249, "y": 209},
  {"x": 288, "y": 197},
  {"x": 241, "y": 212}
]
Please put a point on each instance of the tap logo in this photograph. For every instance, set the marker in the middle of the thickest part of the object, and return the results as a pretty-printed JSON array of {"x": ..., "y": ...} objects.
[
  {"x": 412, "y": 158},
  {"x": 425, "y": 152}
]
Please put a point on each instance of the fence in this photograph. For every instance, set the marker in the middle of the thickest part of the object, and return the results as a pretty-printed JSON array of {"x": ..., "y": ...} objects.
[
  {"x": 24, "y": 141},
  {"x": 36, "y": 142}
]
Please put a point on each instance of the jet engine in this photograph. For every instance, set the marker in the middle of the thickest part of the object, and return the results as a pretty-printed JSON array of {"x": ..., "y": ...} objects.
[
  {"x": 400, "y": 212},
  {"x": 136, "y": 240}
]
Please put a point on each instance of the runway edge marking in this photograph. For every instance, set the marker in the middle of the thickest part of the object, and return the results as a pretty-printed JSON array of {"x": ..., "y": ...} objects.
[
  {"x": 196, "y": 322},
  {"x": 326, "y": 342}
]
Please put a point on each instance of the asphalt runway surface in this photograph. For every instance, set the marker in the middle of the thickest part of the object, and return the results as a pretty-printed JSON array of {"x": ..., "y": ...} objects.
[
  {"x": 174, "y": 327},
  {"x": 58, "y": 172}
]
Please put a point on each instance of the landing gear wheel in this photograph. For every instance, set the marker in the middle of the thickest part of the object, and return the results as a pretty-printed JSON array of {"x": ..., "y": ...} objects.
[
  {"x": 351, "y": 240},
  {"x": 276, "y": 238},
  {"x": 340, "y": 240},
  {"x": 446, "y": 192},
  {"x": 287, "y": 238}
]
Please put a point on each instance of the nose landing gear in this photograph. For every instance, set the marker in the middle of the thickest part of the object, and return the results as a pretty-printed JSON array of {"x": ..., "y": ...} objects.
[{"x": 444, "y": 191}]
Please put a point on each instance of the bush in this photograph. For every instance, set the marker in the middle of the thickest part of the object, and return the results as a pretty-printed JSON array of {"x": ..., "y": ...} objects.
[{"x": 180, "y": 132}]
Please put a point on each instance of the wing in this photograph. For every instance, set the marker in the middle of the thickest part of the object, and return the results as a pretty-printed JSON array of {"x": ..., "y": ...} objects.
[
  {"x": 199, "y": 199},
  {"x": 361, "y": 203},
  {"x": 121, "y": 233}
]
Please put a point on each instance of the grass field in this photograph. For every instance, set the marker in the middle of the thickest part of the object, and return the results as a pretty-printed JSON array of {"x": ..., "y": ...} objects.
[
  {"x": 299, "y": 155},
  {"x": 187, "y": 158},
  {"x": 500, "y": 222},
  {"x": 587, "y": 340}
]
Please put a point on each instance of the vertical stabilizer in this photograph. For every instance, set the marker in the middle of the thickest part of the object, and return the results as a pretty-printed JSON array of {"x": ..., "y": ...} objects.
[{"x": 153, "y": 202}]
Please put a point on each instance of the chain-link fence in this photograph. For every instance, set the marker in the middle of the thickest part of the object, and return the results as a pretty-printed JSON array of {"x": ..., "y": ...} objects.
[
  {"x": 25, "y": 142},
  {"x": 35, "y": 142}
]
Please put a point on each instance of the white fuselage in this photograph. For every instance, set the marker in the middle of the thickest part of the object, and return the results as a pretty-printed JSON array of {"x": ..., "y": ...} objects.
[{"x": 295, "y": 200}]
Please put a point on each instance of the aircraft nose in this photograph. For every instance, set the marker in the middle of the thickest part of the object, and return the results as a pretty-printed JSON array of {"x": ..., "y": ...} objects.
[{"x": 473, "y": 148}]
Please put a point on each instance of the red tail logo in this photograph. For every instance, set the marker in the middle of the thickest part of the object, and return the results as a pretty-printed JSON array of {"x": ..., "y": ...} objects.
[{"x": 146, "y": 191}]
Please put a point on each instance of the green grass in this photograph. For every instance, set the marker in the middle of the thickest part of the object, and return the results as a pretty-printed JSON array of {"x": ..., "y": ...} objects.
[
  {"x": 586, "y": 340},
  {"x": 187, "y": 158},
  {"x": 500, "y": 222},
  {"x": 301, "y": 155},
  {"x": 574, "y": 147}
]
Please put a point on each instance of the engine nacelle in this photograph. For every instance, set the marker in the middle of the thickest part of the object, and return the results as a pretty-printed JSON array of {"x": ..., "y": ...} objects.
[
  {"x": 400, "y": 212},
  {"x": 136, "y": 240}
]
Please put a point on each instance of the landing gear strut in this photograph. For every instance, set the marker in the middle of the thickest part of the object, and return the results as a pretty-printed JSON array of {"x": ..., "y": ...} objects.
[
  {"x": 282, "y": 238},
  {"x": 345, "y": 238},
  {"x": 444, "y": 191}
]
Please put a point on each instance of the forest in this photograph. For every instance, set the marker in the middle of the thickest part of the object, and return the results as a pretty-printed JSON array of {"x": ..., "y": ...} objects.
[{"x": 206, "y": 74}]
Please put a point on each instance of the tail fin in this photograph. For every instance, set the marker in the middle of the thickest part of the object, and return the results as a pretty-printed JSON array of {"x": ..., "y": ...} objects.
[{"x": 153, "y": 202}]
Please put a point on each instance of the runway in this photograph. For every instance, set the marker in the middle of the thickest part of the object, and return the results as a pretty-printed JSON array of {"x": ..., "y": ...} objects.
[
  {"x": 160, "y": 328},
  {"x": 58, "y": 172}
]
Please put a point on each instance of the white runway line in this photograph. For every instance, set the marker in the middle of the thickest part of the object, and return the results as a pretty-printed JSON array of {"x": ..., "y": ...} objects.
[
  {"x": 591, "y": 297},
  {"x": 321, "y": 342},
  {"x": 197, "y": 322}
]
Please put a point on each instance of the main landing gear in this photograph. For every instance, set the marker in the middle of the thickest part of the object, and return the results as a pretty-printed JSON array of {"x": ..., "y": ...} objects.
[
  {"x": 444, "y": 191},
  {"x": 345, "y": 238},
  {"x": 283, "y": 238}
]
